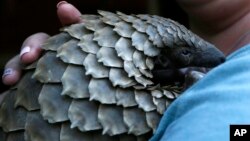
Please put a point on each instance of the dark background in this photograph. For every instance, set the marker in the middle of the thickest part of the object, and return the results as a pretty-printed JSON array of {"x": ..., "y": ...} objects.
[{"x": 21, "y": 18}]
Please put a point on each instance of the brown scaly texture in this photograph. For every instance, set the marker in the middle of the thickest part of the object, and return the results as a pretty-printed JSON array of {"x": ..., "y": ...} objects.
[{"x": 93, "y": 82}]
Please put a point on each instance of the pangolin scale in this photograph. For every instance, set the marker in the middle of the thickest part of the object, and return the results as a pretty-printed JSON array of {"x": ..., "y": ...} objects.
[{"x": 94, "y": 81}]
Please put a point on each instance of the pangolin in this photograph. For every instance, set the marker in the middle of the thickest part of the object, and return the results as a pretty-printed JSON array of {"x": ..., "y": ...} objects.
[{"x": 96, "y": 80}]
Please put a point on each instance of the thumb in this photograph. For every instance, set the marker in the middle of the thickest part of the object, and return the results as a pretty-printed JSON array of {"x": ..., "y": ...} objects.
[{"x": 67, "y": 13}]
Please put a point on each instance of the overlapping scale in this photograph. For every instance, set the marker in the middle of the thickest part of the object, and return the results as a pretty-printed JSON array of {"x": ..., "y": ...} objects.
[
  {"x": 124, "y": 49},
  {"x": 56, "y": 41},
  {"x": 109, "y": 17},
  {"x": 54, "y": 106},
  {"x": 88, "y": 45},
  {"x": 146, "y": 73},
  {"x": 75, "y": 82},
  {"x": 49, "y": 68},
  {"x": 87, "y": 17},
  {"x": 109, "y": 58},
  {"x": 127, "y": 18},
  {"x": 94, "y": 24},
  {"x": 139, "y": 25},
  {"x": 11, "y": 119},
  {"x": 68, "y": 134},
  {"x": 106, "y": 37},
  {"x": 27, "y": 98},
  {"x": 37, "y": 129},
  {"x": 138, "y": 40},
  {"x": 94, "y": 68},
  {"x": 161, "y": 104},
  {"x": 83, "y": 114},
  {"x": 101, "y": 90},
  {"x": 135, "y": 119},
  {"x": 131, "y": 69},
  {"x": 149, "y": 63},
  {"x": 71, "y": 53},
  {"x": 139, "y": 59},
  {"x": 144, "y": 100},
  {"x": 169, "y": 94},
  {"x": 150, "y": 49},
  {"x": 111, "y": 119},
  {"x": 125, "y": 97},
  {"x": 155, "y": 36},
  {"x": 124, "y": 29},
  {"x": 76, "y": 30},
  {"x": 153, "y": 119},
  {"x": 118, "y": 77},
  {"x": 144, "y": 81}
]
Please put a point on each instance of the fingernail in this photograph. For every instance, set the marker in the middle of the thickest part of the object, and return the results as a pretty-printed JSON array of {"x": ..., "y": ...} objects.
[
  {"x": 24, "y": 50},
  {"x": 6, "y": 72},
  {"x": 60, "y": 3}
]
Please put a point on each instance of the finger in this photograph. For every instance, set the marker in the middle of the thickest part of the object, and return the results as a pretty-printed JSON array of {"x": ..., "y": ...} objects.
[
  {"x": 12, "y": 71},
  {"x": 67, "y": 13},
  {"x": 31, "y": 48},
  {"x": 31, "y": 51}
]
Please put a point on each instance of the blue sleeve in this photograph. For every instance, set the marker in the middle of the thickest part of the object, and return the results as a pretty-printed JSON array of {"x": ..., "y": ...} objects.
[{"x": 205, "y": 111}]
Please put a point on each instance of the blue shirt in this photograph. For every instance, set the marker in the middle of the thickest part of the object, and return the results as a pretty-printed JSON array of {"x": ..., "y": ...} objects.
[{"x": 205, "y": 111}]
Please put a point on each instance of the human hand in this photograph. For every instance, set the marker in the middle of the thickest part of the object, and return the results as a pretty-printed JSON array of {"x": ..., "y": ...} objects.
[{"x": 31, "y": 47}]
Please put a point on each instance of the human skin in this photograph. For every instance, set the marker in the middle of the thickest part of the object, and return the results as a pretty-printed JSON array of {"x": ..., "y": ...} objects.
[{"x": 223, "y": 23}]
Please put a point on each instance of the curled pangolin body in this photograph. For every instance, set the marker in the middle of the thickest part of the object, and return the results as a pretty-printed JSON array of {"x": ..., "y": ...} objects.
[{"x": 94, "y": 82}]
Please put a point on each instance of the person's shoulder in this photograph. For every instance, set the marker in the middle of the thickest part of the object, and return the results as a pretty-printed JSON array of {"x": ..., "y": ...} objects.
[{"x": 241, "y": 52}]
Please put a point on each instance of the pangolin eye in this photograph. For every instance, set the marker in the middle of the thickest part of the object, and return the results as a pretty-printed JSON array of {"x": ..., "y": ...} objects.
[{"x": 185, "y": 52}]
